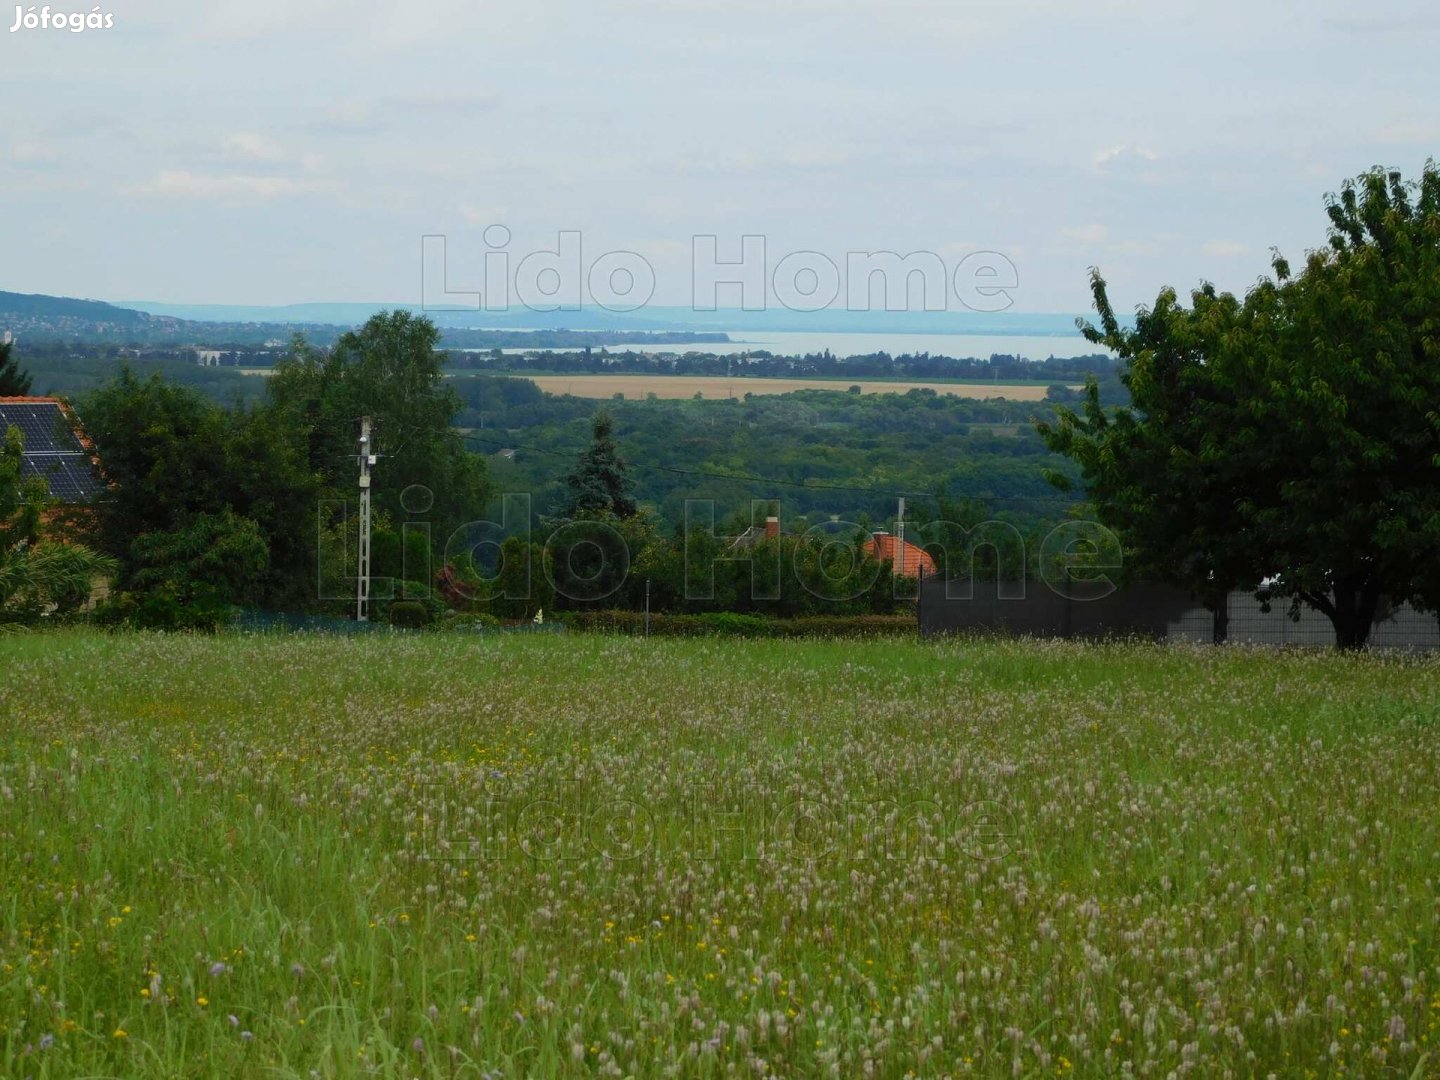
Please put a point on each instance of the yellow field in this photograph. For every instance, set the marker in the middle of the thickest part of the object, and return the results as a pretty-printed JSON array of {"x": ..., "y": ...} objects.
[{"x": 713, "y": 387}]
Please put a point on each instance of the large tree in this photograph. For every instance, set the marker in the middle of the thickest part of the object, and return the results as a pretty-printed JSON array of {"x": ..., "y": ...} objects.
[
  {"x": 1346, "y": 369},
  {"x": 1169, "y": 471},
  {"x": 178, "y": 463},
  {"x": 1289, "y": 442},
  {"x": 391, "y": 370}
]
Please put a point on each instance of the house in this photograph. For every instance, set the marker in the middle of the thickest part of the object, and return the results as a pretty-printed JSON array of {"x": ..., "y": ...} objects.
[
  {"x": 756, "y": 533},
  {"x": 905, "y": 558},
  {"x": 55, "y": 447}
]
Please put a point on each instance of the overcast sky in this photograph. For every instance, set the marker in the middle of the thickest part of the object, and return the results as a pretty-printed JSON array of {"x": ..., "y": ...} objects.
[{"x": 270, "y": 151}]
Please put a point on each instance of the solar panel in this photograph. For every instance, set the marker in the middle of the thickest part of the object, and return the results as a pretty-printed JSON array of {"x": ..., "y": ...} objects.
[
  {"x": 41, "y": 424},
  {"x": 52, "y": 449},
  {"x": 71, "y": 477}
]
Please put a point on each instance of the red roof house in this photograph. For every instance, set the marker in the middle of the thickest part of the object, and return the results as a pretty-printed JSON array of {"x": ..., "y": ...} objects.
[{"x": 905, "y": 558}]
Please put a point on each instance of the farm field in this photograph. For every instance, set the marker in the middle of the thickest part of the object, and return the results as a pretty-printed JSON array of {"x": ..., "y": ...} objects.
[
  {"x": 516, "y": 855},
  {"x": 714, "y": 387}
]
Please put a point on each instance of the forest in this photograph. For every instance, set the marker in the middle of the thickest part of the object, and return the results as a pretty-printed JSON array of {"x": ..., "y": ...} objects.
[{"x": 819, "y": 453}]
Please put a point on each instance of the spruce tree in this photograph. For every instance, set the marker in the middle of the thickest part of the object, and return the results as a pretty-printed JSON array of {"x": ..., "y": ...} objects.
[
  {"x": 14, "y": 380},
  {"x": 599, "y": 482}
]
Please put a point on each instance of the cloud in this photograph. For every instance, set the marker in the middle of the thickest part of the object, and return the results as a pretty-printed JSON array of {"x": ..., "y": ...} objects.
[
  {"x": 1094, "y": 233},
  {"x": 31, "y": 153},
  {"x": 1224, "y": 249},
  {"x": 345, "y": 118},
  {"x": 181, "y": 183},
  {"x": 1377, "y": 24},
  {"x": 1121, "y": 154},
  {"x": 445, "y": 103},
  {"x": 253, "y": 146},
  {"x": 356, "y": 117},
  {"x": 816, "y": 155},
  {"x": 1408, "y": 132},
  {"x": 483, "y": 216}
]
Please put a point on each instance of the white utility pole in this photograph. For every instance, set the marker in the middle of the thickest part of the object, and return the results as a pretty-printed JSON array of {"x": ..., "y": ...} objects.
[
  {"x": 362, "y": 578},
  {"x": 900, "y": 540}
]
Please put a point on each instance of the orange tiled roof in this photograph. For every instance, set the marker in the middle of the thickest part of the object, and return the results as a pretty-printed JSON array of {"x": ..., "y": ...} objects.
[{"x": 914, "y": 562}]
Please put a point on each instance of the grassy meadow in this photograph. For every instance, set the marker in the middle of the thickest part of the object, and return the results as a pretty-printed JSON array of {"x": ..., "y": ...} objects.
[{"x": 509, "y": 856}]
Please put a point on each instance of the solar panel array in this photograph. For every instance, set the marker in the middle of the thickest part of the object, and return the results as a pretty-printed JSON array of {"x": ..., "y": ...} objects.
[{"x": 52, "y": 449}]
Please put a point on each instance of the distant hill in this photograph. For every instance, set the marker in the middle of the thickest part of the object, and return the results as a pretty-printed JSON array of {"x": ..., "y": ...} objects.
[
  {"x": 52, "y": 320},
  {"x": 38, "y": 308},
  {"x": 652, "y": 318},
  {"x": 41, "y": 319}
]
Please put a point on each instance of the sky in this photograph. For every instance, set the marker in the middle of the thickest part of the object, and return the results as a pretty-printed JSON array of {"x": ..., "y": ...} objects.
[{"x": 273, "y": 152}]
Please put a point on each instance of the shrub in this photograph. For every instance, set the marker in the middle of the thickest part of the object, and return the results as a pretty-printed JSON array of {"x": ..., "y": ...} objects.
[
  {"x": 410, "y": 614},
  {"x": 734, "y": 624}
]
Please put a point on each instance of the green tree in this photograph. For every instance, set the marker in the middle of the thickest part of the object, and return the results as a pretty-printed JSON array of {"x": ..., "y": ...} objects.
[
  {"x": 14, "y": 380},
  {"x": 1345, "y": 385},
  {"x": 599, "y": 482},
  {"x": 1288, "y": 442},
  {"x": 1169, "y": 472},
  {"x": 173, "y": 457},
  {"x": 193, "y": 576},
  {"x": 392, "y": 371}
]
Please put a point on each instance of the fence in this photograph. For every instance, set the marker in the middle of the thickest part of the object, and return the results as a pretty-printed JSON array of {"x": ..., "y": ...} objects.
[{"x": 1144, "y": 610}]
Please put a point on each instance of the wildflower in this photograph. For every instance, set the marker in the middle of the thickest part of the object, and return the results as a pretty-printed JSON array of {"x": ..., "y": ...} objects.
[
  {"x": 217, "y": 969},
  {"x": 46, "y": 1041},
  {"x": 121, "y": 1033},
  {"x": 202, "y": 1001}
]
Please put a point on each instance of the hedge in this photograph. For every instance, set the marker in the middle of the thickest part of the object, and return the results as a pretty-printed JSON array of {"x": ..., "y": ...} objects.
[{"x": 734, "y": 624}]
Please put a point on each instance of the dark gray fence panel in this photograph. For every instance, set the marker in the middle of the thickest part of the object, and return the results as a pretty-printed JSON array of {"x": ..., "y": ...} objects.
[{"x": 1144, "y": 610}]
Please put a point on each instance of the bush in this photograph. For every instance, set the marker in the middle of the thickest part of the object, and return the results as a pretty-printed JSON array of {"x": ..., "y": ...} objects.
[
  {"x": 734, "y": 624},
  {"x": 409, "y": 614},
  {"x": 412, "y": 593},
  {"x": 164, "y": 607}
]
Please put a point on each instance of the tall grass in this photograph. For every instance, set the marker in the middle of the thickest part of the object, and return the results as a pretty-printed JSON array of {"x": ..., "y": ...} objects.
[{"x": 434, "y": 857}]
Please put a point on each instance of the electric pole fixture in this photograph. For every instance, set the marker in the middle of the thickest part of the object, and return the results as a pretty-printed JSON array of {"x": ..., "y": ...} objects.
[
  {"x": 900, "y": 540},
  {"x": 362, "y": 577}
]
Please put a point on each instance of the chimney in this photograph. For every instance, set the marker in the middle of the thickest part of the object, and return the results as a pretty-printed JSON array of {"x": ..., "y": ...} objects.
[{"x": 772, "y": 528}]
